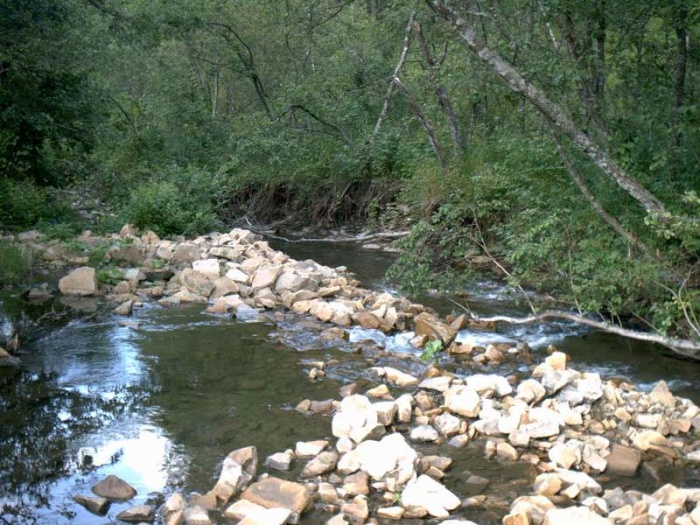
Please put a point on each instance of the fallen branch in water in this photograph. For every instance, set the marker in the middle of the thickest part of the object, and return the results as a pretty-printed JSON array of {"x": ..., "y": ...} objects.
[
  {"x": 344, "y": 238},
  {"x": 685, "y": 347}
]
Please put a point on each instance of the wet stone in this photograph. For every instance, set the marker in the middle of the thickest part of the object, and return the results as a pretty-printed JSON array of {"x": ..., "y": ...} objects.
[
  {"x": 138, "y": 514},
  {"x": 114, "y": 489},
  {"x": 97, "y": 505}
]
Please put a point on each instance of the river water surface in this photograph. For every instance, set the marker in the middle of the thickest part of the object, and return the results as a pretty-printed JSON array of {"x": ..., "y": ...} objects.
[{"x": 162, "y": 404}]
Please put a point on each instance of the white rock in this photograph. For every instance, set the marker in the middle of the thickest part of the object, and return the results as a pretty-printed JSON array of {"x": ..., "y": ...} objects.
[
  {"x": 531, "y": 391},
  {"x": 463, "y": 401},
  {"x": 424, "y": 433},
  {"x": 440, "y": 384},
  {"x": 482, "y": 383},
  {"x": 306, "y": 449},
  {"x": 385, "y": 410},
  {"x": 396, "y": 377},
  {"x": 574, "y": 516},
  {"x": 404, "y": 405},
  {"x": 582, "y": 480},
  {"x": 354, "y": 417},
  {"x": 447, "y": 424},
  {"x": 208, "y": 267},
  {"x": 427, "y": 493}
]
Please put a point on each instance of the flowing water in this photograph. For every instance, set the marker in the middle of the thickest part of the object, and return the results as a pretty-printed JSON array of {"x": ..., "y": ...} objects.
[{"x": 160, "y": 405}]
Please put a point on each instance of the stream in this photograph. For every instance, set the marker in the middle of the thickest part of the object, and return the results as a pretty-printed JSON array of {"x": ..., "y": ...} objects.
[{"x": 160, "y": 405}]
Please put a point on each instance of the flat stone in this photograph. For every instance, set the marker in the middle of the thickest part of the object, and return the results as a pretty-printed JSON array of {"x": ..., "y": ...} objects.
[
  {"x": 242, "y": 508},
  {"x": 307, "y": 449},
  {"x": 97, "y": 505},
  {"x": 277, "y": 516},
  {"x": 114, "y": 489},
  {"x": 439, "y": 384},
  {"x": 399, "y": 378},
  {"x": 274, "y": 492},
  {"x": 138, "y": 514},
  {"x": 577, "y": 515}
]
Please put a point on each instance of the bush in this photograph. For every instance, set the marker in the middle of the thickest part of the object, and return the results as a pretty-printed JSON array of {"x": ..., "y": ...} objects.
[
  {"x": 15, "y": 262},
  {"x": 167, "y": 209},
  {"x": 26, "y": 205}
]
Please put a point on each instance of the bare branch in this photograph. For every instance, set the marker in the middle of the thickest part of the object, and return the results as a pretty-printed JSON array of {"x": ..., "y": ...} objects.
[{"x": 399, "y": 65}]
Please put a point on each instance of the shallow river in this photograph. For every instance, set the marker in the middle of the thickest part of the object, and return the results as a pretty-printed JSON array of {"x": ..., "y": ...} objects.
[{"x": 161, "y": 405}]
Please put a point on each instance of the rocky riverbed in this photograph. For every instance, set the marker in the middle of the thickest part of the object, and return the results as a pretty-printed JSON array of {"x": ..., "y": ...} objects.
[{"x": 575, "y": 429}]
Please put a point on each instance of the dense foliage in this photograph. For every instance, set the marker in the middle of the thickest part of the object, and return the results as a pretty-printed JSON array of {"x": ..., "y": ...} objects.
[{"x": 181, "y": 114}]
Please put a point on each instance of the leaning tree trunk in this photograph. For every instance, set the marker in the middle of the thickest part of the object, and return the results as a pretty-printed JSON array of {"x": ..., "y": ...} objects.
[{"x": 551, "y": 111}]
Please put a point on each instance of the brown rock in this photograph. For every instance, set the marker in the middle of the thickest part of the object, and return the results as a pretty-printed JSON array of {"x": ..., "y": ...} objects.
[
  {"x": 114, "y": 489},
  {"x": 321, "y": 464},
  {"x": 97, "y": 505},
  {"x": 623, "y": 461},
  {"x": 434, "y": 328},
  {"x": 81, "y": 281},
  {"x": 138, "y": 514},
  {"x": 274, "y": 492}
]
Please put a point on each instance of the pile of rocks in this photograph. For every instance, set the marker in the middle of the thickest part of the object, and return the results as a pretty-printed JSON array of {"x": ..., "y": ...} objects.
[
  {"x": 568, "y": 424},
  {"x": 236, "y": 272}
]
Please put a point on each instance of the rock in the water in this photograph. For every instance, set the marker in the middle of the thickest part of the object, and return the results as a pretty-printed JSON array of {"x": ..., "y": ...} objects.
[
  {"x": 280, "y": 460},
  {"x": 196, "y": 515},
  {"x": 424, "y": 433},
  {"x": 434, "y": 328},
  {"x": 427, "y": 493},
  {"x": 306, "y": 449},
  {"x": 114, "y": 489},
  {"x": 125, "y": 308},
  {"x": 275, "y": 516},
  {"x": 238, "y": 470},
  {"x": 574, "y": 515},
  {"x": 321, "y": 464},
  {"x": 97, "y": 505},
  {"x": 623, "y": 461},
  {"x": 463, "y": 401},
  {"x": 81, "y": 281},
  {"x": 274, "y": 492},
  {"x": 138, "y": 514}
]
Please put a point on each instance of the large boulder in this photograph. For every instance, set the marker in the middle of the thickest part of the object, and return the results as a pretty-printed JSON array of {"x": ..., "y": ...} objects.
[{"x": 81, "y": 281}]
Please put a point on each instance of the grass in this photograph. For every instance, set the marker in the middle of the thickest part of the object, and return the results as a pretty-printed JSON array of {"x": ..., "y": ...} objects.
[{"x": 15, "y": 263}]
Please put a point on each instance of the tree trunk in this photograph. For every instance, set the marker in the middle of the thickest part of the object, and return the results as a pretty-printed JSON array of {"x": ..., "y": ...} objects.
[
  {"x": 425, "y": 123},
  {"x": 551, "y": 111},
  {"x": 441, "y": 93}
]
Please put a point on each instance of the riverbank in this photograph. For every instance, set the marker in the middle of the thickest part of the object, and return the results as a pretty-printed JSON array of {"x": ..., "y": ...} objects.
[{"x": 568, "y": 415}]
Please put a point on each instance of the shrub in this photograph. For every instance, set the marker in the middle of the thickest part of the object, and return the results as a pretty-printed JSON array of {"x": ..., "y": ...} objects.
[
  {"x": 167, "y": 209},
  {"x": 15, "y": 262},
  {"x": 26, "y": 205}
]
